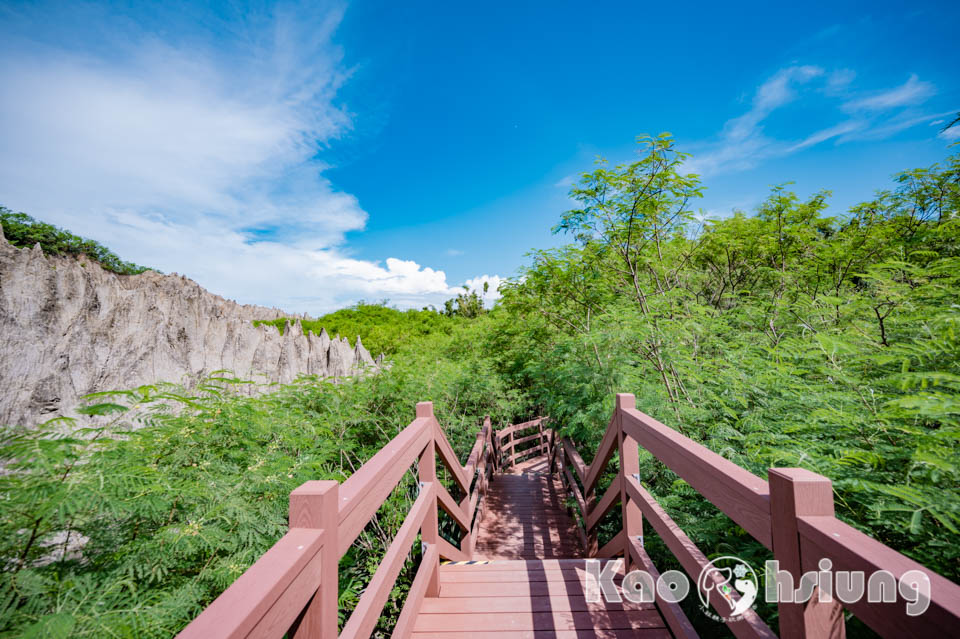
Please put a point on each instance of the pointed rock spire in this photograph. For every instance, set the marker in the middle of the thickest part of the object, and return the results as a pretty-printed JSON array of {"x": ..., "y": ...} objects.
[
  {"x": 297, "y": 329},
  {"x": 85, "y": 316},
  {"x": 361, "y": 355}
]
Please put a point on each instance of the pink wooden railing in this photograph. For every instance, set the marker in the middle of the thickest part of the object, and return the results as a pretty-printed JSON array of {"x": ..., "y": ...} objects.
[
  {"x": 791, "y": 514},
  {"x": 293, "y": 588},
  {"x": 506, "y": 442}
]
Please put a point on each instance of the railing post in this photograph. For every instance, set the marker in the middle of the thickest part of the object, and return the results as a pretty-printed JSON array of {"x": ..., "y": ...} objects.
[
  {"x": 629, "y": 466},
  {"x": 540, "y": 440},
  {"x": 429, "y": 532},
  {"x": 797, "y": 492},
  {"x": 315, "y": 504}
]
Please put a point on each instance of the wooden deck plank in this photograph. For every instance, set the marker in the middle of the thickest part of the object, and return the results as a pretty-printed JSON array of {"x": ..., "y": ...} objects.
[
  {"x": 509, "y": 589},
  {"x": 521, "y": 564},
  {"x": 526, "y": 517},
  {"x": 534, "y": 584},
  {"x": 545, "y": 603},
  {"x": 647, "y": 633},
  {"x": 504, "y": 576},
  {"x": 541, "y": 621}
]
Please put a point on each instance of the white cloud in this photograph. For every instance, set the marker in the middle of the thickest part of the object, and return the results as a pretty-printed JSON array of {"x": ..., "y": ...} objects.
[
  {"x": 493, "y": 287},
  {"x": 883, "y": 129},
  {"x": 839, "y": 80},
  {"x": 742, "y": 144},
  {"x": 291, "y": 277},
  {"x": 452, "y": 252},
  {"x": 912, "y": 92},
  {"x": 826, "y": 134},
  {"x": 181, "y": 157},
  {"x": 772, "y": 94},
  {"x": 953, "y": 133}
]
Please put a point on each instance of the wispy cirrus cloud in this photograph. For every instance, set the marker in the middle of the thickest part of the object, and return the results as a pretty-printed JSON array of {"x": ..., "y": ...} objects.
[
  {"x": 839, "y": 80},
  {"x": 912, "y": 92},
  {"x": 836, "y": 131},
  {"x": 743, "y": 142},
  {"x": 195, "y": 149},
  {"x": 771, "y": 95},
  {"x": 952, "y": 133}
]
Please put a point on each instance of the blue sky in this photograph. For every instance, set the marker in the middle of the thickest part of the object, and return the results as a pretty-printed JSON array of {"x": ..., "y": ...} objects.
[{"x": 307, "y": 156}]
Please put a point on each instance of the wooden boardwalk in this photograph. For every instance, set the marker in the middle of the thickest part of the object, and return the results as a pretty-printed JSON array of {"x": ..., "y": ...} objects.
[
  {"x": 532, "y": 584},
  {"x": 525, "y": 516},
  {"x": 529, "y": 517},
  {"x": 528, "y": 598}
]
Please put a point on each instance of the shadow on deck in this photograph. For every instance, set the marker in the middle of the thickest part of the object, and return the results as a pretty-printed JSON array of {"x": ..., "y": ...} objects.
[
  {"x": 529, "y": 517},
  {"x": 531, "y": 574}
]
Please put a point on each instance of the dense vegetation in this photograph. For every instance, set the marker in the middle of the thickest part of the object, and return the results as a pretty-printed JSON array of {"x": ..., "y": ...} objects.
[
  {"x": 21, "y": 230},
  {"x": 173, "y": 508},
  {"x": 783, "y": 337},
  {"x": 382, "y": 329}
]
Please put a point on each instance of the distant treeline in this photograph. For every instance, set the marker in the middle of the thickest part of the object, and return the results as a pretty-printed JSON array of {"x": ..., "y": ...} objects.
[
  {"x": 23, "y": 231},
  {"x": 382, "y": 329}
]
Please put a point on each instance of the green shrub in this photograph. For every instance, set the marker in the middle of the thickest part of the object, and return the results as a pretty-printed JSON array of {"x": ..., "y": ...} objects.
[
  {"x": 23, "y": 231},
  {"x": 382, "y": 329},
  {"x": 175, "y": 504}
]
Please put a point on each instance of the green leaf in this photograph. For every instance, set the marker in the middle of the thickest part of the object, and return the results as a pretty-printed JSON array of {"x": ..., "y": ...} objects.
[
  {"x": 915, "y": 522},
  {"x": 56, "y": 626}
]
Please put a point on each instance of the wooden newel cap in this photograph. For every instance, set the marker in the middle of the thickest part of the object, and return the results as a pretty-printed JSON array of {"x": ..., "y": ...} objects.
[
  {"x": 314, "y": 487},
  {"x": 424, "y": 409},
  {"x": 626, "y": 400},
  {"x": 313, "y": 504},
  {"x": 804, "y": 492}
]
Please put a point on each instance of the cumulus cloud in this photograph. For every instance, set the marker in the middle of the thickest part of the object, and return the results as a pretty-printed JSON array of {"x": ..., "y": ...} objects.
[
  {"x": 195, "y": 153},
  {"x": 493, "y": 283}
]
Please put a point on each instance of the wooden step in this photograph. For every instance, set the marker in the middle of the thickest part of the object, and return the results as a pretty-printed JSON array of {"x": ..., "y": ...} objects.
[{"x": 529, "y": 598}]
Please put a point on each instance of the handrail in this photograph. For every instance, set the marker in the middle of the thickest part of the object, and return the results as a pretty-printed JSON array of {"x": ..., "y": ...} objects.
[
  {"x": 364, "y": 618},
  {"x": 293, "y": 588},
  {"x": 511, "y": 434},
  {"x": 740, "y": 494},
  {"x": 792, "y": 514},
  {"x": 271, "y": 585},
  {"x": 849, "y": 550},
  {"x": 365, "y": 491}
]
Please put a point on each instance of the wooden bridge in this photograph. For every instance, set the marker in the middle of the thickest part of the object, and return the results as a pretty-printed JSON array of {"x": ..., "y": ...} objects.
[{"x": 528, "y": 521}]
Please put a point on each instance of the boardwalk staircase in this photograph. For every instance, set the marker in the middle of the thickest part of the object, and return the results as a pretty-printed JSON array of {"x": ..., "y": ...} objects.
[{"x": 528, "y": 521}]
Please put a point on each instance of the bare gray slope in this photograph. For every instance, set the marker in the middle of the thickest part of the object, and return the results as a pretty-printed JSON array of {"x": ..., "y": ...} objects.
[{"x": 68, "y": 327}]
